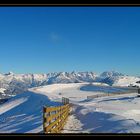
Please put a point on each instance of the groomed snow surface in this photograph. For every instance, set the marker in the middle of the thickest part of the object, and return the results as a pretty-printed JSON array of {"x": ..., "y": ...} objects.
[{"x": 113, "y": 114}]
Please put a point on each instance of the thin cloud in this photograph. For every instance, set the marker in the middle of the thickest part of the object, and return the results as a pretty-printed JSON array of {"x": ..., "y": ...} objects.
[{"x": 54, "y": 37}]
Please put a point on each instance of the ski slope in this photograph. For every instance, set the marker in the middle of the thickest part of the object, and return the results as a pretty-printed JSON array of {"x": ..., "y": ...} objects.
[{"x": 113, "y": 114}]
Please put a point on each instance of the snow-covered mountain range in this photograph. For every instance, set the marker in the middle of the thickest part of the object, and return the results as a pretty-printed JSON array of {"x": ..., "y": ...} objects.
[{"x": 12, "y": 84}]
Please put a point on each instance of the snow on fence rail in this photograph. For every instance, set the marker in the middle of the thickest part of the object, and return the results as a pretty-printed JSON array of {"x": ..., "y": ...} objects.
[{"x": 54, "y": 118}]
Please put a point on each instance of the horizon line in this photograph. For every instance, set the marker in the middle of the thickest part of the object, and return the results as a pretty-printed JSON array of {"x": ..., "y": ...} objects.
[{"x": 98, "y": 73}]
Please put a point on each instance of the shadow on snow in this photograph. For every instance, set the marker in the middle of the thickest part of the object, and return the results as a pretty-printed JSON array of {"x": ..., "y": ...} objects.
[{"x": 26, "y": 116}]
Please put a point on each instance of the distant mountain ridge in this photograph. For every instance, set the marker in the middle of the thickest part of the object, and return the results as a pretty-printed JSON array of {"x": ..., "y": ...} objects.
[{"x": 18, "y": 83}]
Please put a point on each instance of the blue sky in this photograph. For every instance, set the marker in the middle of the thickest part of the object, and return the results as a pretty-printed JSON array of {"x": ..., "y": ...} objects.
[{"x": 53, "y": 39}]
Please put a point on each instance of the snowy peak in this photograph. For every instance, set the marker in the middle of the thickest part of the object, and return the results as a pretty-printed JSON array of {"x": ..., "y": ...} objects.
[
  {"x": 110, "y": 77},
  {"x": 9, "y": 73},
  {"x": 110, "y": 74}
]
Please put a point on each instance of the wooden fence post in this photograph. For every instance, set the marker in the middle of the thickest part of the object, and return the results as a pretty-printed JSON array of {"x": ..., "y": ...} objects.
[
  {"x": 62, "y": 100},
  {"x": 44, "y": 118},
  {"x": 59, "y": 118},
  {"x": 65, "y": 100}
]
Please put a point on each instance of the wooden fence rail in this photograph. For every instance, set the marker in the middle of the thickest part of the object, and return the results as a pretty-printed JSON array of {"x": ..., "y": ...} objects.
[{"x": 54, "y": 118}]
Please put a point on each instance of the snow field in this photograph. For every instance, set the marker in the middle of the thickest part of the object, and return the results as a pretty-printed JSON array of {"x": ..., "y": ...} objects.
[{"x": 113, "y": 114}]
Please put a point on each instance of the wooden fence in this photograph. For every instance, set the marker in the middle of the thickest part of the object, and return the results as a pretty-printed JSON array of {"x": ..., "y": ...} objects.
[
  {"x": 111, "y": 94},
  {"x": 65, "y": 100},
  {"x": 54, "y": 118}
]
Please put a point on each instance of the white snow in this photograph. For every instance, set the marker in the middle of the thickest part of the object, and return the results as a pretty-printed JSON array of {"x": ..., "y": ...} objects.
[
  {"x": 18, "y": 83},
  {"x": 127, "y": 80},
  {"x": 2, "y": 90},
  {"x": 23, "y": 113},
  {"x": 108, "y": 115},
  {"x": 113, "y": 114}
]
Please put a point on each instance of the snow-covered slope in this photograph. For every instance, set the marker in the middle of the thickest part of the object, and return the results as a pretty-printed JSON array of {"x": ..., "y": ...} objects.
[
  {"x": 18, "y": 83},
  {"x": 127, "y": 80},
  {"x": 23, "y": 113},
  {"x": 113, "y": 114},
  {"x": 118, "y": 79}
]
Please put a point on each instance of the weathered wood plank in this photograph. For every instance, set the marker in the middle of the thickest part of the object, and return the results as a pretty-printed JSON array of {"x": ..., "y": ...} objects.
[
  {"x": 50, "y": 126},
  {"x": 51, "y": 109},
  {"x": 53, "y": 116}
]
